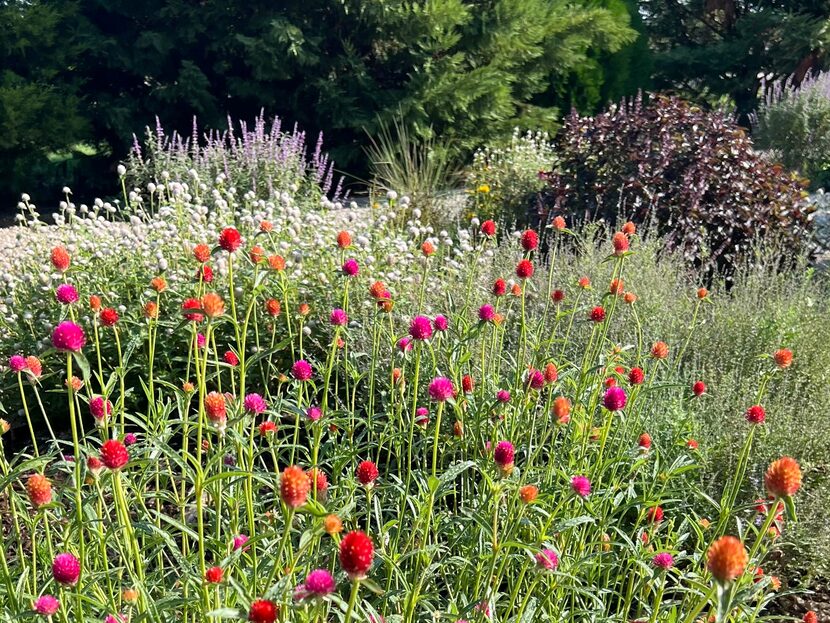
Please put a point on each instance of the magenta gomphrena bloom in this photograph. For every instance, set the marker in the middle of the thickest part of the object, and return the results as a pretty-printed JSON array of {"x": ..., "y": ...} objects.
[
  {"x": 663, "y": 560},
  {"x": 100, "y": 409},
  {"x": 201, "y": 340},
  {"x": 441, "y": 389},
  {"x": 66, "y": 294},
  {"x": 46, "y": 605},
  {"x": 66, "y": 569},
  {"x": 254, "y": 403},
  {"x": 405, "y": 344},
  {"x": 68, "y": 337},
  {"x": 420, "y": 328},
  {"x": 338, "y": 318},
  {"x": 319, "y": 583},
  {"x": 440, "y": 323},
  {"x": 581, "y": 486},
  {"x": 239, "y": 541},
  {"x": 130, "y": 439},
  {"x": 547, "y": 560},
  {"x": 17, "y": 363},
  {"x": 301, "y": 370},
  {"x": 486, "y": 313},
  {"x": 115, "y": 618},
  {"x": 314, "y": 413},
  {"x": 614, "y": 398},
  {"x": 535, "y": 379},
  {"x": 503, "y": 396},
  {"x": 504, "y": 453},
  {"x": 350, "y": 267}
]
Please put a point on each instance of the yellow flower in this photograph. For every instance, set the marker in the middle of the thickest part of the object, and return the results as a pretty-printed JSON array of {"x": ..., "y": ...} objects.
[
  {"x": 375, "y": 205},
  {"x": 484, "y": 188}
]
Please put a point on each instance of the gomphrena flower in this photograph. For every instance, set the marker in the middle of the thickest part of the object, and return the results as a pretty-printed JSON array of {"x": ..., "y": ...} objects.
[
  {"x": 100, "y": 409},
  {"x": 755, "y": 414},
  {"x": 273, "y": 307},
  {"x": 34, "y": 366},
  {"x": 66, "y": 294},
  {"x": 338, "y": 318},
  {"x": 616, "y": 287},
  {"x": 68, "y": 337},
  {"x": 216, "y": 408},
  {"x": 562, "y": 409},
  {"x": 420, "y": 328},
  {"x": 486, "y": 313},
  {"x": 488, "y": 228},
  {"x": 94, "y": 465},
  {"x": 726, "y": 559},
  {"x": 440, "y": 323},
  {"x": 213, "y": 305},
  {"x": 503, "y": 396},
  {"x": 499, "y": 287},
  {"x": 60, "y": 259},
  {"x": 783, "y": 477},
  {"x": 332, "y": 525},
  {"x": 230, "y": 358},
  {"x": 654, "y": 514},
  {"x": 551, "y": 374},
  {"x": 314, "y": 413},
  {"x": 557, "y": 296},
  {"x": 344, "y": 240},
  {"x": 660, "y": 350},
  {"x": 405, "y": 344},
  {"x": 620, "y": 243},
  {"x": 558, "y": 223},
  {"x": 367, "y": 473},
  {"x": 46, "y": 605},
  {"x": 644, "y": 441},
  {"x": 503, "y": 455},
  {"x": 441, "y": 389},
  {"x": 201, "y": 252},
  {"x": 356, "y": 554},
  {"x": 17, "y": 363},
  {"x": 266, "y": 428},
  {"x": 239, "y": 541},
  {"x": 254, "y": 404},
  {"x": 108, "y": 317},
  {"x": 636, "y": 376},
  {"x": 467, "y": 384},
  {"x": 783, "y": 358},
  {"x": 663, "y": 560},
  {"x": 213, "y": 575},
  {"x": 66, "y": 569},
  {"x": 230, "y": 239},
  {"x": 581, "y": 486},
  {"x": 192, "y": 304},
  {"x": 529, "y": 240},
  {"x": 350, "y": 267},
  {"x": 422, "y": 417},
  {"x": 114, "y": 454},
  {"x": 547, "y": 559},
  {"x": 614, "y": 399},
  {"x": 810, "y": 617},
  {"x": 630, "y": 298},
  {"x": 39, "y": 488},
  {"x": 427, "y": 248},
  {"x": 301, "y": 370},
  {"x": 534, "y": 379},
  {"x": 318, "y": 583},
  {"x": 294, "y": 486},
  {"x": 524, "y": 269},
  {"x": 528, "y": 493},
  {"x": 699, "y": 388},
  {"x": 597, "y": 314},
  {"x": 319, "y": 482},
  {"x": 130, "y": 439},
  {"x": 263, "y": 611}
]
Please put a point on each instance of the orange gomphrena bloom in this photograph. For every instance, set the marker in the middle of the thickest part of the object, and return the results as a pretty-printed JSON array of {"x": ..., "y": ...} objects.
[
  {"x": 702, "y": 293},
  {"x": 783, "y": 477},
  {"x": 630, "y": 298},
  {"x": 213, "y": 305},
  {"x": 304, "y": 309},
  {"x": 201, "y": 252},
  {"x": 558, "y": 223},
  {"x": 617, "y": 287},
  {"x": 130, "y": 595},
  {"x": 629, "y": 229},
  {"x": 95, "y": 303},
  {"x": 377, "y": 290},
  {"x": 660, "y": 350},
  {"x": 276, "y": 262},
  {"x": 265, "y": 226},
  {"x": 257, "y": 254},
  {"x": 427, "y": 248},
  {"x": 726, "y": 559},
  {"x": 159, "y": 284},
  {"x": 332, "y": 524},
  {"x": 34, "y": 366},
  {"x": 620, "y": 242},
  {"x": 151, "y": 309},
  {"x": 584, "y": 283},
  {"x": 528, "y": 493},
  {"x": 344, "y": 240},
  {"x": 458, "y": 429},
  {"x": 783, "y": 358},
  {"x": 39, "y": 488},
  {"x": 273, "y": 307},
  {"x": 516, "y": 290},
  {"x": 60, "y": 259},
  {"x": 294, "y": 486},
  {"x": 562, "y": 409}
]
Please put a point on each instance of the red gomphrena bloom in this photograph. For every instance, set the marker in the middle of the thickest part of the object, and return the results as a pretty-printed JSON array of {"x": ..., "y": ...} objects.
[
  {"x": 783, "y": 358},
  {"x": 427, "y": 248},
  {"x": 46, "y": 605},
  {"x": 620, "y": 243},
  {"x": 39, "y": 488},
  {"x": 614, "y": 398},
  {"x": 558, "y": 223},
  {"x": 467, "y": 384},
  {"x": 34, "y": 366},
  {"x": 267, "y": 428},
  {"x": 562, "y": 409},
  {"x": 692, "y": 444},
  {"x": 95, "y": 465},
  {"x": 66, "y": 569},
  {"x": 301, "y": 370},
  {"x": 216, "y": 407},
  {"x": 524, "y": 269},
  {"x": 810, "y": 617},
  {"x": 528, "y": 493},
  {"x": 610, "y": 381},
  {"x": 783, "y": 477},
  {"x": 557, "y": 296},
  {"x": 551, "y": 373},
  {"x": 702, "y": 293},
  {"x": 488, "y": 228},
  {"x": 273, "y": 307},
  {"x": 202, "y": 253},
  {"x": 350, "y": 267},
  {"x": 108, "y": 316},
  {"x": 367, "y": 473},
  {"x": 616, "y": 287},
  {"x": 204, "y": 274},
  {"x": 503, "y": 455},
  {"x": 644, "y": 441},
  {"x": 68, "y": 337},
  {"x": 60, "y": 259},
  {"x": 584, "y": 283},
  {"x": 294, "y": 486},
  {"x": 189, "y": 304},
  {"x": 441, "y": 389},
  {"x": 356, "y": 554},
  {"x": 660, "y": 350},
  {"x": 529, "y": 240},
  {"x": 636, "y": 376},
  {"x": 597, "y": 314},
  {"x": 726, "y": 559},
  {"x": 319, "y": 482},
  {"x": 499, "y": 287},
  {"x": 755, "y": 414},
  {"x": 229, "y": 239},
  {"x": 654, "y": 514},
  {"x": 699, "y": 388},
  {"x": 230, "y": 358},
  {"x": 420, "y": 328},
  {"x": 344, "y": 240},
  {"x": 263, "y": 611},
  {"x": 213, "y": 575},
  {"x": 114, "y": 454},
  {"x": 581, "y": 486}
]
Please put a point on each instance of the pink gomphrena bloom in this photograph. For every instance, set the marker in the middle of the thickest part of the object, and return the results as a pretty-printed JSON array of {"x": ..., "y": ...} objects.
[
  {"x": 420, "y": 328},
  {"x": 405, "y": 344},
  {"x": 614, "y": 399},
  {"x": 503, "y": 396},
  {"x": 115, "y": 618},
  {"x": 663, "y": 560},
  {"x": 350, "y": 267},
  {"x": 301, "y": 370},
  {"x": 46, "y": 605},
  {"x": 318, "y": 583},
  {"x": 440, "y": 323},
  {"x": 17, "y": 363},
  {"x": 239, "y": 541},
  {"x": 68, "y": 337},
  {"x": 338, "y": 318},
  {"x": 130, "y": 439},
  {"x": 100, "y": 409},
  {"x": 441, "y": 389},
  {"x": 486, "y": 313},
  {"x": 254, "y": 404},
  {"x": 201, "y": 340},
  {"x": 314, "y": 413},
  {"x": 581, "y": 486},
  {"x": 547, "y": 560},
  {"x": 422, "y": 417},
  {"x": 66, "y": 569},
  {"x": 66, "y": 294},
  {"x": 535, "y": 379},
  {"x": 504, "y": 455}
]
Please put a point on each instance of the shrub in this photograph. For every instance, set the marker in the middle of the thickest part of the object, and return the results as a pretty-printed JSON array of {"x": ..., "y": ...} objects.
[
  {"x": 793, "y": 123},
  {"x": 694, "y": 172}
]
